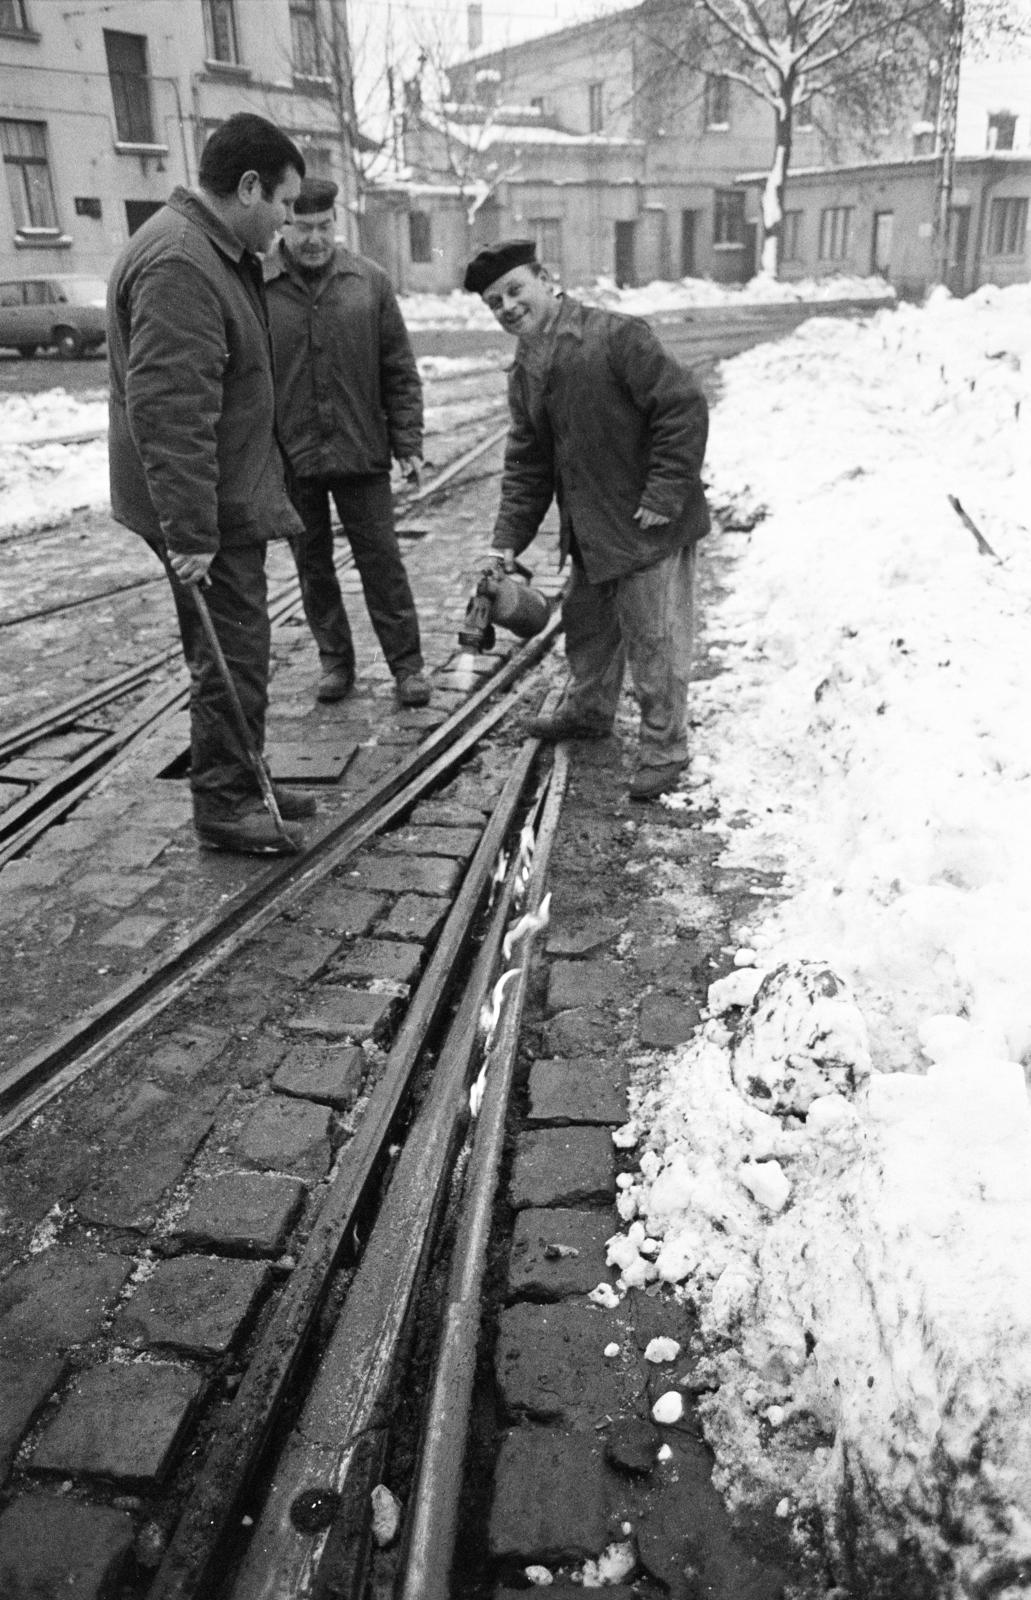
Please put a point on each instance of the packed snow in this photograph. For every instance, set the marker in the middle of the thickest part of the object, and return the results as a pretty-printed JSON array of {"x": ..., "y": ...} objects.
[{"x": 836, "y": 1171}]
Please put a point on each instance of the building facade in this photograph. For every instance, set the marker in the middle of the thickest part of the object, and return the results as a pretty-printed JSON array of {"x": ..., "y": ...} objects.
[
  {"x": 878, "y": 218},
  {"x": 617, "y": 167},
  {"x": 107, "y": 104}
]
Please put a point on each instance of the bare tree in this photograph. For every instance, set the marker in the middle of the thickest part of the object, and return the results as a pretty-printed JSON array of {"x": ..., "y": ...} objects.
[{"x": 853, "y": 62}]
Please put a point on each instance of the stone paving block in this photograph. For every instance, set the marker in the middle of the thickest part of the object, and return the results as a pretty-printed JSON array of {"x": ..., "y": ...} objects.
[
  {"x": 577, "y": 1032},
  {"x": 391, "y": 959},
  {"x": 414, "y": 916},
  {"x": 58, "y": 1298},
  {"x": 563, "y": 1167},
  {"x": 344, "y": 1013},
  {"x": 332, "y": 1073},
  {"x": 185, "y": 1053},
  {"x": 291, "y": 951},
  {"x": 429, "y": 875},
  {"x": 143, "y": 1166},
  {"x": 57, "y": 1549},
  {"x": 25, "y": 1384},
  {"x": 285, "y": 1135},
  {"x": 130, "y": 848},
  {"x": 447, "y": 814},
  {"x": 586, "y": 1089},
  {"x": 534, "y": 1516},
  {"x": 116, "y": 893},
  {"x": 585, "y": 937},
  {"x": 550, "y": 1364},
  {"x": 666, "y": 1022},
  {"x": 539, "y": 1267},
  {"x": 120, "y": 1422},
  {"x": 242, "y": 1213},
  {"x": 133, "y": 932},
  {"x": 200, "y": 1305},
  {"x": 585, "y": 983},
  {"x": 458, "y": 843}
]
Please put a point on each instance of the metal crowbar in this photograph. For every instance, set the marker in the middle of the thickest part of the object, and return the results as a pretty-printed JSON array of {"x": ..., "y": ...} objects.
[{"x": 254, "y": 755}]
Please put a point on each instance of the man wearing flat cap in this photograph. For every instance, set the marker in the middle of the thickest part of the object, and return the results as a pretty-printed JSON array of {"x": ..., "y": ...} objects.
[
  {"x": 604, "y": 421},
  {"x": 348, "y": 399}
]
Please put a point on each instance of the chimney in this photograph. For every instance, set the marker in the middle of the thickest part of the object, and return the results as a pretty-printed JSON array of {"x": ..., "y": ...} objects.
[{"x": 475, "y": 25}]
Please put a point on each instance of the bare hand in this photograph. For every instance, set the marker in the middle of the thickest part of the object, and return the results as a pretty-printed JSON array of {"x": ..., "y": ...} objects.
[
  {"x": 411, "y": 467},
  {"x": 191, "y": 569},
  {"x": 649, "y": 519},
  {"x": 501, "y": 561}
]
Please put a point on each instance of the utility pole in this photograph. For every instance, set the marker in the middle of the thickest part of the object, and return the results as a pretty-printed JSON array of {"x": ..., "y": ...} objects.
[
  {"x": 946, "y": 151},
  {"x": 347, "y": 116}
]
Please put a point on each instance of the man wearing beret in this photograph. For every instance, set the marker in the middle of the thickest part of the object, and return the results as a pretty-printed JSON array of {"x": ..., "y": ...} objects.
[
  {"x": 348, "y": 398},
  {"x": 603, "y": 420}
]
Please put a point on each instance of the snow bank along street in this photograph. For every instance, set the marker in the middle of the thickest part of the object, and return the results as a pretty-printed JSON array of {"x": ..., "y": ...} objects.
[{"x": 837, "y": 1170}]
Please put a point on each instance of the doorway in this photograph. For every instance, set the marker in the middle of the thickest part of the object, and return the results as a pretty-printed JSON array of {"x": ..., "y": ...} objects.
[
  {"x": 137, "y": 212},
  {"x": 625, "y": 272},
  {"x": 880, "y": 248},
  {"x": 688, "y": 243},
  {"x": 959, "y": 239}
]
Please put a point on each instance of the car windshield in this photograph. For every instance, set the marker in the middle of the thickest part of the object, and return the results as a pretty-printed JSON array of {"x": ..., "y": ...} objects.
[{"x": 82, "y": 291}]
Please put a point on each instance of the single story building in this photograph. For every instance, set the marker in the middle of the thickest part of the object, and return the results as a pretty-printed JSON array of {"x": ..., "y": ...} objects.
[{"x": 878, "y": 218}]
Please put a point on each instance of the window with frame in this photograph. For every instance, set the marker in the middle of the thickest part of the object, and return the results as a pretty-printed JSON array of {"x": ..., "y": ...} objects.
[
  {"x": 835, "y": 232},
  {"x": 1002, "y": 130},
  {"x": 595, "y": 108},
  {"x": 27, "y": 169},
  {"x": 420, "y": 236},
  {"x": 547, "y": 235},
  {"x": 717, "y": 100},
  {"x": 220, "y": 31},
  {"x": 305, "y": 39},
  {"x": 728, "y": 220},
  {"x": 13, "y": 18},
  {"x": 791, "y": 236},
  {"x": 1007, "y": 228},
  {"x": 130, "y": 86}
]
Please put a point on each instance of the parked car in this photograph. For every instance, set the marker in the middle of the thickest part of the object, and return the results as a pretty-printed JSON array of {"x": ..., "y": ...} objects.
[{"x": 65, "y": 311}]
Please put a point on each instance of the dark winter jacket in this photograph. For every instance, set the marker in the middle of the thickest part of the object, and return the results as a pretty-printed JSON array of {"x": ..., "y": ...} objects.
[
  {"x": 192, "y": 449},
  {"x": 612, "y": 423},
  {"x": 348, "y": 393}
]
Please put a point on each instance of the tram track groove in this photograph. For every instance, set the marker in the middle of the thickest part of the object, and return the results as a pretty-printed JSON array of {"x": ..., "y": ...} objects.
[{"x": 356, "y": 1369}]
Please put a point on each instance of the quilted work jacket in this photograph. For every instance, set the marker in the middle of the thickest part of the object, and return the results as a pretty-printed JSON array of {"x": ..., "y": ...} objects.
[
  {"x": 610, "y": 424},
  {"x": 193, "y": 456},
  {"x": 348, "y": 392}
]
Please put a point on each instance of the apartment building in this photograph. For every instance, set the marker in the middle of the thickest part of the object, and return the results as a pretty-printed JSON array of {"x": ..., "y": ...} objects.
[{"x": 105, "y": 105}]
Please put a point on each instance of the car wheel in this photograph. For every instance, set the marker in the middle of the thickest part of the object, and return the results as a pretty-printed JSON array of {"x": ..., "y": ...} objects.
[
  {"x": 68, "y": 342},
  {"x": 26, "y": 351}
]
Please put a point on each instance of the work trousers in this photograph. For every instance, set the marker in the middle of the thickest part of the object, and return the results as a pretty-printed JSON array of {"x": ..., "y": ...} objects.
[
  {"x": 644, "y": 620},
  {"x": 366, "y": 510},
  {"x": 222, "y": 777}
]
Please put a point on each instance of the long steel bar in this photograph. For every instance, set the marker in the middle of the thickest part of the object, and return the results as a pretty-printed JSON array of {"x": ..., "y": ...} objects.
[
  {"x": 188, "y": 1565},
  {"x": 433, "y": 1523}
]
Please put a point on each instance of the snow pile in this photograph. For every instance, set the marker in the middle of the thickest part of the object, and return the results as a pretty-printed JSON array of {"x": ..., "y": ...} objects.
[
  {"x": 837, "y": 1171},
  {"x": 41, "y": 483},
  {"x": 664, "y": 296}
]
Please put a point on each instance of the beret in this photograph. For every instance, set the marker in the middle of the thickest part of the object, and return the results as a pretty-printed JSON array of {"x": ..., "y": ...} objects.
[
  {"x": 493, "y": 262},
  {"x": 317, "y": 194}
]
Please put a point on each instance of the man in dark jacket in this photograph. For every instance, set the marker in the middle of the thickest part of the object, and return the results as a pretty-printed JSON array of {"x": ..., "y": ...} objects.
[
  {"x": 195, "y": 465},
  {"x": 348, "y": 397},
  {"x": 604, "y": 421}
]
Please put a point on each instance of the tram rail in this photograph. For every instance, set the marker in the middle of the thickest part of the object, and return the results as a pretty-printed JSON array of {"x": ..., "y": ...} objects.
[{"x": 29, "y": 1084}]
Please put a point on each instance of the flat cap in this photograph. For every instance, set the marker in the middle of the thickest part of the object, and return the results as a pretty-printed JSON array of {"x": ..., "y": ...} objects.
[
  {"x": 317, "y": 194},
  {"x": 492, "y": 263}
]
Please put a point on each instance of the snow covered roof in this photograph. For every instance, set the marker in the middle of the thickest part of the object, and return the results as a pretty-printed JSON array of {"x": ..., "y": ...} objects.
[
  {"x": 485, "y": 135},
  {"x": 1014, "y": 158}
]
